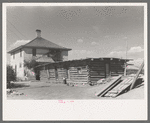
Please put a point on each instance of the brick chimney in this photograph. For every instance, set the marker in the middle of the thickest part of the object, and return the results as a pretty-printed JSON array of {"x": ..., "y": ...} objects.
[{"x": 38, "y": 33}]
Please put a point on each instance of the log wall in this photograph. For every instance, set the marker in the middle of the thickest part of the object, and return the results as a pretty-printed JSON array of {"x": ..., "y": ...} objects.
[
  {"x": 61, "y": 73},
  {"x": 116, "y": 68},
  {"x": 84, "y": 71},
  {"x": 79, "y": 74},
  {"x": 43, "y": 75},
  {"x": 96, "y": 71}
]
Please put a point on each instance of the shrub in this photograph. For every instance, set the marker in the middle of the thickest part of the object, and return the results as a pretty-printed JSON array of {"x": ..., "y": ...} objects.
[{"x": 11, "y": 75}]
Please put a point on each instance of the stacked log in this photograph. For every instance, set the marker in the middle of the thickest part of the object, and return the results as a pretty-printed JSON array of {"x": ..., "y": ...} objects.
[
  {"x": 43, "y": 75},
  {"x": 77, "y": 75},
  {"x": 116, "y": 68},
  {"x": 96, "y": 71},
  {"x": 51, "y": 75}
]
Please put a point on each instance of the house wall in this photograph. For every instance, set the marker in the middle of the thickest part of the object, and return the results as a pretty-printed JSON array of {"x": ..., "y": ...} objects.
[
  {"x": 27, "y": 54},
  {"x": 17, "y": 61},
  {"x": 60, "y": 56}
]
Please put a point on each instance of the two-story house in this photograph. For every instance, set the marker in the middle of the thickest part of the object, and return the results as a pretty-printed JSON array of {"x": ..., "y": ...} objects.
[{"x": 40, "y": 49}]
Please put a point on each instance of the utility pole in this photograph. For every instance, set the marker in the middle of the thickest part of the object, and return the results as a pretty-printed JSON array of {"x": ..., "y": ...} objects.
[
  {"x": 137, "y": 75},
  {"x": 125, "y": 70}
]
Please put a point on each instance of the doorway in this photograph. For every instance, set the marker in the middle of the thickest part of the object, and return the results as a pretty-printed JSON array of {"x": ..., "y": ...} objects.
[
  {"x": 38, "y": 75},
  {"x": 107, "y": 67}
]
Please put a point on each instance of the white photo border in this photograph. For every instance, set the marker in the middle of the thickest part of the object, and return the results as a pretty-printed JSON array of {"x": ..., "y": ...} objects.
[{"x": 23, "y": 110}]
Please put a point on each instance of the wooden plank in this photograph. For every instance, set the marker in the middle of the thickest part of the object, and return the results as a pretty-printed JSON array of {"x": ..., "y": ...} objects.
[
  {"x": 109, "y": 86},
  {"x": 79, "y": 78},
  {"x": 121, "y": 83},
  {"x": 122, "y": 88},
  {"x": 93, "y": 71},
  {"x": 97, "y": 76},
  {"x": 134, "y": 81},
  {"x": 78, "y": 81},
  {"x": 78, "y": 75},
  {"x": 107, "y": 95},
  {"x": 113, "y": 91},
  {"x": 95, "y": 79},
  {"x": 96, "y": 71},
  {"x": 96, "y": 68},
  {"x": 96, "y": 65}
]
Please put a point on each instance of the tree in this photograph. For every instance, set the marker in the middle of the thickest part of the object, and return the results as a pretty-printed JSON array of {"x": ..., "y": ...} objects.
[
  {"x": 11, "y": 75},
  {"x": 30, "y": 64}
]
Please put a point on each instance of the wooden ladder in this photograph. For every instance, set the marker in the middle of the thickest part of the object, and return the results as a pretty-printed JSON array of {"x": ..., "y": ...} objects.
[{"x": 120, "y": 88}]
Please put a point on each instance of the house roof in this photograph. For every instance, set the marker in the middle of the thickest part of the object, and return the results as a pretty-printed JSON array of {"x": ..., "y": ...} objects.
[
  {"x": 41, "y": 42},
  {"x": 38, "y": 42},
  {"x": 18, "y": 44}
]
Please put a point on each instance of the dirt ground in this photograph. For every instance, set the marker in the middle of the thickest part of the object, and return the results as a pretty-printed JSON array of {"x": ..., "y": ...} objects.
[{"x": 49, "y": 91}]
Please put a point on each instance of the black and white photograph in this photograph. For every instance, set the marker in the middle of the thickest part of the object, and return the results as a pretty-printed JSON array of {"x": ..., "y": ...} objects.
[{"x": 70, "y": 52}]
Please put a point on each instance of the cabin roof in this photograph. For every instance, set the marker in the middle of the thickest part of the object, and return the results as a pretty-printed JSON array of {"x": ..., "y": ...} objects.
[
  {"x": 90, "y": 59},
  {"x": 45, "y": 59},
  {"x": 38, "y": 42}
]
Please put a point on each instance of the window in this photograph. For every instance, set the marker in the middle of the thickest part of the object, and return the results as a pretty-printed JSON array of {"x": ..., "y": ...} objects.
[
  {"x": 20, "y": 65},
  {"x": 16, "y": 68},
  {"x": 13, "y": 55},
  {"x": 67, "y": 73},
  {"x": 20, "y": 53},
  {"x": 79, "y": 70},
  {"x": 34, "y": 52}
]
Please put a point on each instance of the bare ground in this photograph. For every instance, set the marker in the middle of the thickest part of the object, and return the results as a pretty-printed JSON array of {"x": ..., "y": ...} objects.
[{"x": 48, "y": 91}]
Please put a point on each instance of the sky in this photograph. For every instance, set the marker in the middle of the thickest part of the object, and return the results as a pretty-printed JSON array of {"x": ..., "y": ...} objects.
[{"x": 90, "y": 31}]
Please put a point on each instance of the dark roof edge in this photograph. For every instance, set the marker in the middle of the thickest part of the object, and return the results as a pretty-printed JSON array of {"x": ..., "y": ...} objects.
[
  {"x": 84, "y": 59},
  {"x": 15, "y": 49},
  {"x": 46, "y": 40},
  {"x": 24, "y": 46},
  {"x": 47, "y": 48}
]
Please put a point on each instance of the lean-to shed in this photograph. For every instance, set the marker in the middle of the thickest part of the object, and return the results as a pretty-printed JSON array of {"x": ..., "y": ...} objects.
[{"x": 83, "y": 71}]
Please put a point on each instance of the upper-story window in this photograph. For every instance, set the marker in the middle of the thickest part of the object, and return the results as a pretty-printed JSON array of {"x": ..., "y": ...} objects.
[
  {"x": 79, "y": 70},
  {"x": 34, "y": 52},
  {"x": 20, "y": 65},
  {"x": 13, "y": 55},
  {"x": 20, "y": 53}
]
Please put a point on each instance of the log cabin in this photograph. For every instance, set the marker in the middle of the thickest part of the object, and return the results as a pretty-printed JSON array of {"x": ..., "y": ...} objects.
[{"x": 83, "y": 71}]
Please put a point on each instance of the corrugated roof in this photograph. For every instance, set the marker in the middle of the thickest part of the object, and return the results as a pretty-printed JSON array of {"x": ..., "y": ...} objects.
[
  {"x": 45, "y": 59},
  {"x": 75, "y": 60},
  {"x": 38, "y": 42}
]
